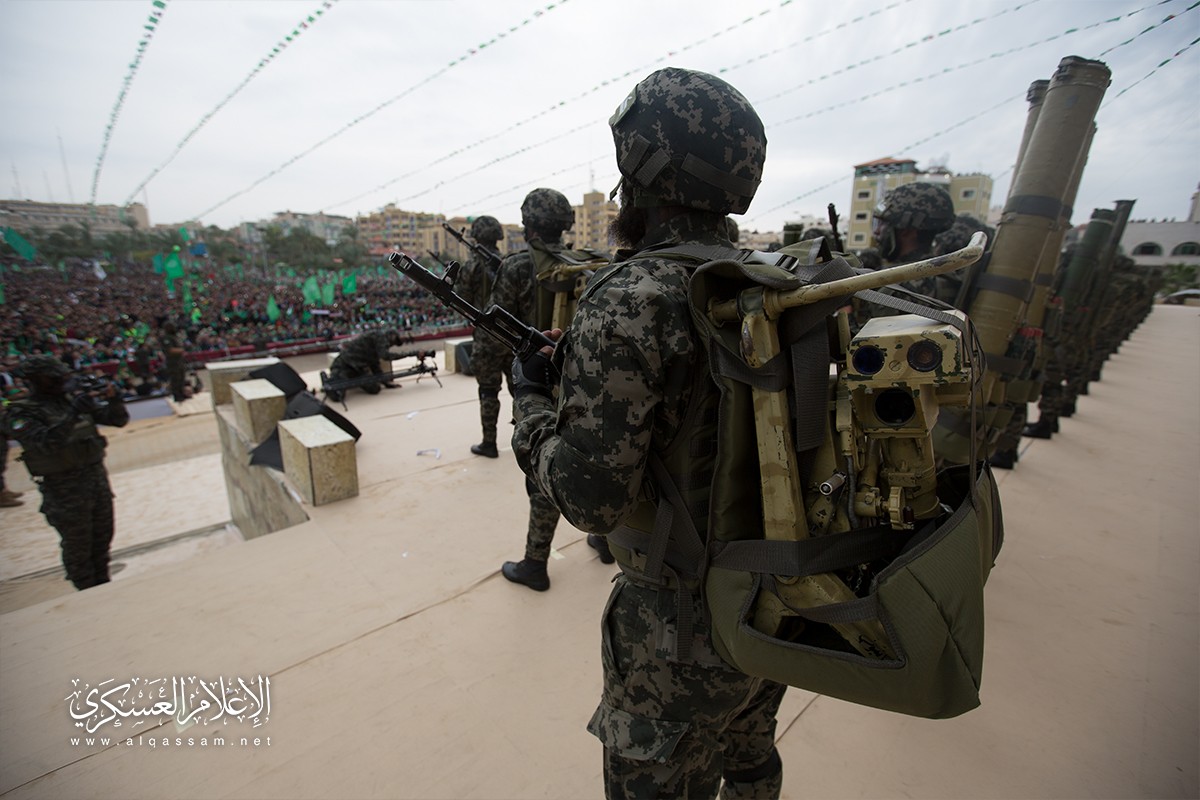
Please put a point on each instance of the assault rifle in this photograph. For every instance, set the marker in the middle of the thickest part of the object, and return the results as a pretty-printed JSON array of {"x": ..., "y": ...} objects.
[
  {"x": 490, "y": 258},
  {"x": 524, "y": 340},
  {"x": 833, "y": 224},
  {"x": 337, "y": 389}
]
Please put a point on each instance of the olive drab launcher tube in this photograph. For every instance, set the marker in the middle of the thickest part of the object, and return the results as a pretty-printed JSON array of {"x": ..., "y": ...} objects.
[
  {"x": 999, "y": 297},
  {"x": 783, "y": 506}
]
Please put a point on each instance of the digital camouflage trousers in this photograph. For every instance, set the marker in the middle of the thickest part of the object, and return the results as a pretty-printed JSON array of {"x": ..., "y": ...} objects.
[
  {"x": 79, "y": 506},
  {"x": 672, "y": 729}
]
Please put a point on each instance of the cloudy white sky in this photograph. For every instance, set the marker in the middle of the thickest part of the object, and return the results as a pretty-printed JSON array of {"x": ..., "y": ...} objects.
[{"x": 462, "y": 106}]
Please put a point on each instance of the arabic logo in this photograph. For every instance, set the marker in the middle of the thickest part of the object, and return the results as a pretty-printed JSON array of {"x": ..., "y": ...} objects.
[{"x": 188, "y": 700}]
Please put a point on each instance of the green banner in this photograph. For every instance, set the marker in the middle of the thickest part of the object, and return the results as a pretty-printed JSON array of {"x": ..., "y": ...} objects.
[
  {"x": 327, "y": 294},
  {"x": 273, "y": 309},
  {"x": 350, "y": 284}
]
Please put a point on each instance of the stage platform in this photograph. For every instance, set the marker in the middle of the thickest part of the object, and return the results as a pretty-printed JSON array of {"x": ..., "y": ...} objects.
[{"x": 402, "y": 665}]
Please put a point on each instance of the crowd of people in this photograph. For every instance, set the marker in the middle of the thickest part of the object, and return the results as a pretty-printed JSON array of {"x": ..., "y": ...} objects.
[{"x": 88, "y": 316}]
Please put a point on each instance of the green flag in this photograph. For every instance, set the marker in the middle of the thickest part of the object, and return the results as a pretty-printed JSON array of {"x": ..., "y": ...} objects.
[
  {"x": 184, "y": 233},
  {"x": 158, "y": 264},
  {"x": 187, "y": 293},
  {"x": 173, "y": 267},
  {"x": 195, "y": 315},
  {"x": 24, "y": 249},
  {"x": 327, "y": 294},
  {"x": 272, "y": 309},
  {"x": 1, "y": 294},
  {"x": 311, "y": 291},
  {"x": 350, "y": 284}
]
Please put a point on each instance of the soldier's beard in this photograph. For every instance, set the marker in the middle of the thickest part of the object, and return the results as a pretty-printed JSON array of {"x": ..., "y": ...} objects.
[{"x": 629, "y": 226}]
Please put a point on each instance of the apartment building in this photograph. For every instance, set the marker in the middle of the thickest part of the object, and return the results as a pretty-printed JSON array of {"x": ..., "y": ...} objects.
[
  {"x": 592, "y": 219},
  {"x": 24, "y": 216},
  {"x": 392, "y": 228}
]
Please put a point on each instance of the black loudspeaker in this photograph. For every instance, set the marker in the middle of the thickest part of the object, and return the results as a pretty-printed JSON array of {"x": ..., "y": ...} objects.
[
  {"x": 304, "y": 404},
  {"x": 283, "y": 377},
  {"x": 462, "y": 357}
]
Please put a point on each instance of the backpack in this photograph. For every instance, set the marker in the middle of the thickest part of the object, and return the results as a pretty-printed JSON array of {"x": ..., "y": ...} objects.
[
  {"x": 561, "y": 273},
  {"x": 858, "y": 569}
]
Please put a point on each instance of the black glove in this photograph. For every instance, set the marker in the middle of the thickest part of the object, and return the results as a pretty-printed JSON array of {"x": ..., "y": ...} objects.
[
  {"x": 84, "y": 403},
  {"x": 535, "y": 375}
]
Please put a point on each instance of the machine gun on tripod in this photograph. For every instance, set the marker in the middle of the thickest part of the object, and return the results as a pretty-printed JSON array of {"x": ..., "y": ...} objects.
[{"x": 336, "y": 389}]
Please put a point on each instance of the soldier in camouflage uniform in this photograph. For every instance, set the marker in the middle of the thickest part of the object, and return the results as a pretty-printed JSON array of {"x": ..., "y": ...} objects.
[
  {"x": 65, "y": 455},
  {"x": 545, "y": 214},
  {"x": 904, "y": 227},
  {"x": 690, "y": 149},
  {"x": 956, "y": 237},
  {"x": 475, "y": 283},
  {"x": 172, "y": 346},
  {"x": 908, "y": 219},
  {"x": 362, "y": 356}
]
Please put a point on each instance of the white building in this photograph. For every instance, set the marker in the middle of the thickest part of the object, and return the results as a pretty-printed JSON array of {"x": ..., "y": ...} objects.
[{"x": 1154, "y": 242}]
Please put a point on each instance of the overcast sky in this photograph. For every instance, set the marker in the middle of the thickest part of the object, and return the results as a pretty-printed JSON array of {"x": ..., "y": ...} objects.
[{"x": 462, "y": 106}]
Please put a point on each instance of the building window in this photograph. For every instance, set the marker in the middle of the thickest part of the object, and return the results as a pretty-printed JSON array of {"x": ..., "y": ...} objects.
[
  {"x": 1186, "y": 249},
  {"x": 864, "y": 194},
  {"x": 861, "y": 215},
  {"x": 968, "y": 194},
  {"x": 1147, "y": 249},
  {"x": 860, "y": 238}
]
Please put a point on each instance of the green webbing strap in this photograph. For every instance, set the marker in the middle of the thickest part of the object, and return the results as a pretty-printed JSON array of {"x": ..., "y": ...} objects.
[
  {"x": 811, "y": 556},
  {"x": 1035, "y": 205},
  {"x": 687, "y": 544},
  {"x": 1002, "y": 284},
  {"x": 725, "y": 181}
]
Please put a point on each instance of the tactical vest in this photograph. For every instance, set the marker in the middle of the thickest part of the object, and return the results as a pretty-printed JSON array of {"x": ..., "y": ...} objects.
[
  {"x": 83, "y": 447},
  {"x": 561, "y": 274},
  {"x": 700, "y": 526}
]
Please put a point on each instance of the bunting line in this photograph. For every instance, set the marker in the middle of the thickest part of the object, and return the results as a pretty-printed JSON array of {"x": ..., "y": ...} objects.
[
  {"x": 279, "y": 47},
  {"x": 473, "y": 51},
  {"x": 638, "y": 70},
  {"x": 150, "y": 26}
]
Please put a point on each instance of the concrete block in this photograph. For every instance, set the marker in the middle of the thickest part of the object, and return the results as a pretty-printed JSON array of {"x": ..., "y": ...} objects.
[
  {"x": 319, "y": 459},
  {"x": 261, "y": 501},
  {"x": 258, "y": 405},
  {"x": 450, "y": 355},
  {"x": 223, "y": 373}
]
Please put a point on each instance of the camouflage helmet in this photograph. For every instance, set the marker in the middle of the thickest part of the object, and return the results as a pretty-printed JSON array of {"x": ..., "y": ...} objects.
[
  {"x": 486, "y": 229},
  {"x": 44, "y": 365},
  {"x": 547, "y": 211},
  {"x": 923, "y": 206},
  {"x": 688, "y": 138},
  {"x": 958, "y": 235}
]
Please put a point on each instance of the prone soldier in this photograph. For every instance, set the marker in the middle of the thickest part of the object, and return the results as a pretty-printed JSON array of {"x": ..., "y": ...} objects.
[{"x": 361, "y": 356}]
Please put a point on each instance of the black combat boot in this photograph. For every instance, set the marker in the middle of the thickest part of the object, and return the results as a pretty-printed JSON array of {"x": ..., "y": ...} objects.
[
  {"x": 528, "y": 572},
  {"x": 600, "y": 545},
  {"x": 1068, "y": 409},
  {"x": 1004, "y": 459},
  {"x": 1042, "y": 429},
  {"x": 485, "y": 449}
]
